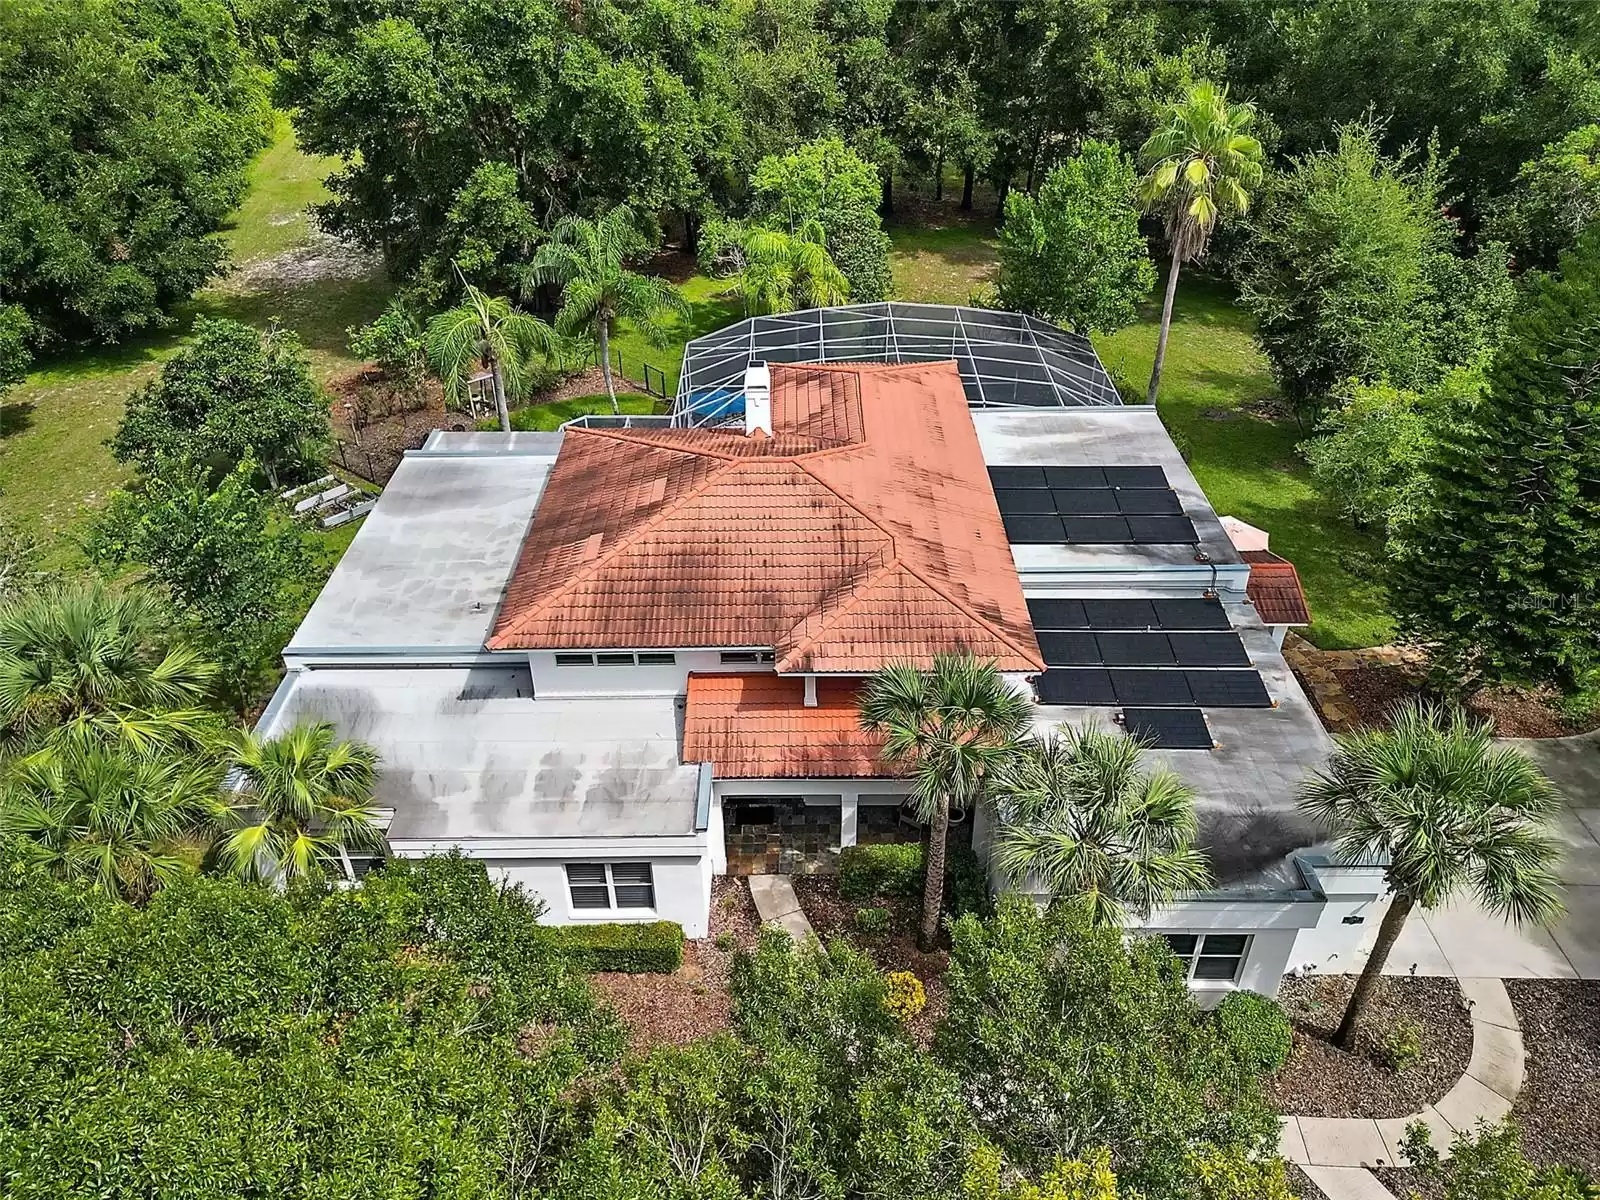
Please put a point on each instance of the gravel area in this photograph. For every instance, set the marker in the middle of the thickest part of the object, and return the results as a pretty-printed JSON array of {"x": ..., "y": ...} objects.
[
  {"x": 1320, "y": 1080},
  {"x": 1303, "y": 1187},
  {"x": 1559, "y": 1108},
  {"x": 895, "y": 949},
  {"x": 662, "y": 1010}
]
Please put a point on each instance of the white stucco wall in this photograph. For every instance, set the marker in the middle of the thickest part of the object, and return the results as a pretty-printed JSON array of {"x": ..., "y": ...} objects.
[
  {"x": 682, "y": 886},
  {"x": 1356, "y": 902}
]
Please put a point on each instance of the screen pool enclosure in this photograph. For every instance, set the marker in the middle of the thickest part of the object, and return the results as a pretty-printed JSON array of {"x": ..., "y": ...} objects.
[{"x": 1005, "y": 358}]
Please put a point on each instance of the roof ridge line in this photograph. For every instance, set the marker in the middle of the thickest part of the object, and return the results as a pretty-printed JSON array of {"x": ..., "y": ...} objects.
[
  {"x": 594, "y": 565},
  {"x": 856, "y": 593}
]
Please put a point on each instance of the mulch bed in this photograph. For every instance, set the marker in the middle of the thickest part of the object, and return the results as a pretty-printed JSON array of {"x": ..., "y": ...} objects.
[
  {"x": 1320, "y": 1080},
  {"x": 832, "y": 916},
  {"x": 692, "y": 1002},
  {"x": 1559, "y": 1108},
  {"x": 374, "y": 431},
  {"x": 1303, "y": 1187},
  {"x": 1515, "y": 712}
]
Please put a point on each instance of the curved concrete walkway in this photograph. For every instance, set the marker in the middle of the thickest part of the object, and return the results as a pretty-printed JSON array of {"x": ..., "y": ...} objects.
[{"x": 1334, "y": 1152}]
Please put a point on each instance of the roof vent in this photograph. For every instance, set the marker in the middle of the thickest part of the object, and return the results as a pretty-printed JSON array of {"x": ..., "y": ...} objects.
[{"x": 758, "y": 399}]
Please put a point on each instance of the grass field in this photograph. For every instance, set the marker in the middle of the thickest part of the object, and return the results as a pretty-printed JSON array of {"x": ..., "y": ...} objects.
[
  {"x": 545, "y": 418},
  {"x": 54, "y": 464}
]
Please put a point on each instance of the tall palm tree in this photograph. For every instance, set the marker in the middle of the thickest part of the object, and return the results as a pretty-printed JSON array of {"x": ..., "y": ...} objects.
[
  {"x": 1201, "y": 165},
  {"x": 1450, "y": 811},
  {"x": 951, "y": 727},
  {"x": 585, "y": 258},
  {"x": 485, "y": 333},
  {"x": 301, "y": 802},
  {"x": 82, "y": 663},
  {"x": 780, "y": 272},
  {"x": 124, "y": 820},
  {"x": 1079, "y": 814}
]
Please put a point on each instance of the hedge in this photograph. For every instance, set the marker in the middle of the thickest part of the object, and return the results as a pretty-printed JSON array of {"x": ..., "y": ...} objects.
[
  {"x": 651, "y": 946},
  {"x": 869, "y": 872},
  {"x": 1257, "y": 1028}
]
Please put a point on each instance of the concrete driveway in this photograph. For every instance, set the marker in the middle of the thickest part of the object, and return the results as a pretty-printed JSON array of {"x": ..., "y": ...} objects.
[{"x": 1461, "y": 939}]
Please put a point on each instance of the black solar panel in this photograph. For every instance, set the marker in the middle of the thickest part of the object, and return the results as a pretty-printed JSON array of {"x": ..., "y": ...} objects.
[
  {"x": 1168, "y": 728},
  {"x": 1157, "y": 531},
  {"x": 1228, "y": 689},
  {"x": 1057, "y": 614},
  {"x": 1070, "y": 649},
  {"x": 1149, "y": 502},
  {"x": 1098, "y": 530},
  {"x": 1134, "y": 649},
  {"x": 1191, "y": 614},
  {"x": 1024, "y": 500},
  {"x": 1120, "y": 614},
  {"x": 1150, "y": 687},
  {"x": 1024, "y": 529},
  {"x": 1017, "y": 477},
  {"x": 1076, "y": 685},
  {"x": 1209, "y": 650},
  {"x": 1075, "y": 477},
  {"x": 1136, "y": 477},
  {"x": 1084, "y": 501}
]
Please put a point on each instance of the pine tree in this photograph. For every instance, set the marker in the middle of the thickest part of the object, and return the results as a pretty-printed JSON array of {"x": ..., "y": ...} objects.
[{"x": 1502, "y": 575}]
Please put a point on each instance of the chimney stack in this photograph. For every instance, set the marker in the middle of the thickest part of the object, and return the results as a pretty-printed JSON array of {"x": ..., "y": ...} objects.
[{"x": 758, "y": 399}]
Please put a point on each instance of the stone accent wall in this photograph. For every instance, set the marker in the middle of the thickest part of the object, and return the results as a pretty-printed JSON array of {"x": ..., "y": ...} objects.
[{"x": 801, "y": 839}]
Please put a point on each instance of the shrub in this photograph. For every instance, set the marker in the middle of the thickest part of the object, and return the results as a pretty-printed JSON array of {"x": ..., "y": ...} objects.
[
  {"x": 872, "y": 921},
  {"x": 1257, "y": 1028},
  {"x": 868, "y": 871},
  {"x": 633, "y": 949},
  {"x": 1401, "y": 1046},
  {"x": 1488, "y": 1164},
  {"x": 725, "y": 941},
  {"x": 903, "y": 994}
]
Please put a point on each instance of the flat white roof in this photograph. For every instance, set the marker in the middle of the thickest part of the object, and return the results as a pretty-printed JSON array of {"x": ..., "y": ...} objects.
[
  {"x": 426, "y": 570},
  {"x": 1099, "y": 437},
  {"x": 468, "y": 754}
]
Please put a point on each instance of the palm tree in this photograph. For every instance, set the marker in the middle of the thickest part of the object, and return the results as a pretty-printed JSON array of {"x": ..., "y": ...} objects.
[
  {"x": 301, "y": 801},
  {"x": 779, "y": 272},
  {"x": 585, "y": 259},
  {"x": 1450, "y": 811},
  {"x": 82, "y": 663},
  {"x": 1081, "y": 816},
  {"x": 125, "y": 820},
  {"x": 1201, "y": 165},
  {"x": 951, "y": 727},
  {"x": 485, "y": 333}
]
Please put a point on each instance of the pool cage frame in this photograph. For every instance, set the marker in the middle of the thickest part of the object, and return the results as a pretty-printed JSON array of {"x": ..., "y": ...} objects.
[{"x": 1006, "y": 359}]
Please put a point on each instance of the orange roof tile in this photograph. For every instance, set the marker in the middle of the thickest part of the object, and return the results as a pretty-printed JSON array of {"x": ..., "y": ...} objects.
[
  {"x": 862, "y": 531},
  {"x": 758, "y": 727},
  {"x": 1275, "y": 589}
]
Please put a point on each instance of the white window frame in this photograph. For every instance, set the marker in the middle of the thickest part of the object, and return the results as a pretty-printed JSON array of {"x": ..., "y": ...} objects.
[
  {"x": 616, "y": 658},
  {"x": 611, "y": 885},
  {"x": 1191, "y": 961},
  {"x": 747, "y": 658},
  {"x": 574, "y": 659}
]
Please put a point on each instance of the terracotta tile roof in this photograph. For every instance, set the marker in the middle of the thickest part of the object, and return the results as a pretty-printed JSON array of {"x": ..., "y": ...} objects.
[
  {"x": 1275, "y": 589},
  {"x": 864, "y": 530},
  {"x": 758, "y": 727}
]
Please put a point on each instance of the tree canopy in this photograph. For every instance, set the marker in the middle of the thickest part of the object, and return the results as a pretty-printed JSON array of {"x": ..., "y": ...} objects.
[{"x": 126, "y": 128}]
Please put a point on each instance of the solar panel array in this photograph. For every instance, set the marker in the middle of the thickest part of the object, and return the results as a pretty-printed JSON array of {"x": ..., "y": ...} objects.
[
  {"x": 1166, "y": 654},
  {"x": 1089, "y": 506}
]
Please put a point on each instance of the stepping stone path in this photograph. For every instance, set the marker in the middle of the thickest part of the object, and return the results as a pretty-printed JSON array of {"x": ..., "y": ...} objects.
[
  {"x": 776, "y": 904},
  {"x": 1334, "y": 1152}
]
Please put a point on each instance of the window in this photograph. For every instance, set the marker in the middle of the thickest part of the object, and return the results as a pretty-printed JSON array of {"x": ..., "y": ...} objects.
[
  {"x": 650, "y": 658},
  {"x": 611, "y": 885},
  {"x": 731, "y": 658},
  {"x": 1210, "y": 957}
]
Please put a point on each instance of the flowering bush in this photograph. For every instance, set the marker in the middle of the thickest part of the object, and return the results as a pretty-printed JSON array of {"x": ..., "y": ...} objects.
[{"x": 904, "y": 994}]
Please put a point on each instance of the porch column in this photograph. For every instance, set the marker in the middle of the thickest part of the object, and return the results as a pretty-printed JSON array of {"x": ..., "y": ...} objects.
[{"x": 847, "y": 819}]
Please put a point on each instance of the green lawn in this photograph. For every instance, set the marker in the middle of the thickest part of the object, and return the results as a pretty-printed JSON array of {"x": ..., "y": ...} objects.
[
  {"x": 710, "y": 308},
  {"x": 543, "y": 418},
  {"x": 54, "y": 464},
  {"x": 1247, "y": 464},
  {"x": 944, "y": 264}
]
